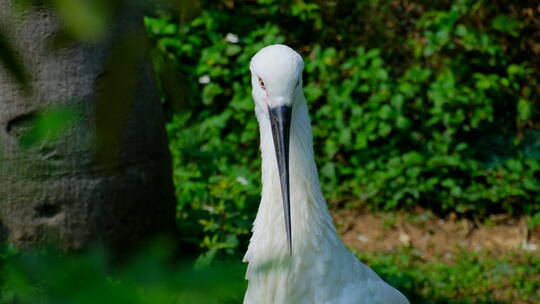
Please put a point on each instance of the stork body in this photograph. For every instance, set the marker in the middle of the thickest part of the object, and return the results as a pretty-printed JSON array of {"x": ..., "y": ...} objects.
[{"x": 306, "y": 262}]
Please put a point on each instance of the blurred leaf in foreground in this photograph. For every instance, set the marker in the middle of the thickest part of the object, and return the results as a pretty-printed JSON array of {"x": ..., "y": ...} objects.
[
  {"x": 11, "y": 61},
  {"x": 150, "y": 277},
  {"x": 85, "y": 20},
  {"x": 117, "y": 93},
  {"x": 48, "y": 125}
]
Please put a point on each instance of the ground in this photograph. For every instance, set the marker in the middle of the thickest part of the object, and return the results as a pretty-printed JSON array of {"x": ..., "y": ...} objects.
[
  {"x": 448, "y": 259},
  {"x": 432, "y": 236}
]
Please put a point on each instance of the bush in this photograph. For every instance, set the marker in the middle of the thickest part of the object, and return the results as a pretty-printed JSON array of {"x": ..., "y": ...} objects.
[
  {"x": 469, "y": 277},
  {"x": 413, "y": 104},
  {"x": 152, "y": 277}
]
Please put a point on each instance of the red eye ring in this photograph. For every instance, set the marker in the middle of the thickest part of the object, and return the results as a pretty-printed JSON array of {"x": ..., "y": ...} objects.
[{"x": 261, "y": 83}]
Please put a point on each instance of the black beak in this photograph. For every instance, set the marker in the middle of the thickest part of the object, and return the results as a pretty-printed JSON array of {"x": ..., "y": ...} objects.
[{"x": 280, "y": 120}]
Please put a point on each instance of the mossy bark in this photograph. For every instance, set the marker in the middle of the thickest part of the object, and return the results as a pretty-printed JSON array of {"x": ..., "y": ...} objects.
[{"x": 105, "y": 176}]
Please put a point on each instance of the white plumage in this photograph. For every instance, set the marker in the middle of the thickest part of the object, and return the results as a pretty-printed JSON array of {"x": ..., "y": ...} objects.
[{"x": 320, "y": 269}]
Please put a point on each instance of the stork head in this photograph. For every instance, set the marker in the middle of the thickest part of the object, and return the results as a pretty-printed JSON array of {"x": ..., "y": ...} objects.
[{"x": 276, "y": 77}]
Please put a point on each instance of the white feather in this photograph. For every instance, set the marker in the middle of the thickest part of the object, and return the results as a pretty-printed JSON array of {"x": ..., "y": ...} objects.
[{"x": 320, "y": 270}]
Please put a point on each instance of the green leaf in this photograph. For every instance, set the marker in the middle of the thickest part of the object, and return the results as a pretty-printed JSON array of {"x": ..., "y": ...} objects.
[
  {"x": 525, "y": 109},
  {"x": 232, "y": 50},
  {"x": 210, "y": 91},
  {"x": 386, "y": 112},
  {"x": 506, "y": 25}
]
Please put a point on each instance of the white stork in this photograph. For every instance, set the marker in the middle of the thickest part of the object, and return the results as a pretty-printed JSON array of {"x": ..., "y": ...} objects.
[{"x": 303, "y": 261}]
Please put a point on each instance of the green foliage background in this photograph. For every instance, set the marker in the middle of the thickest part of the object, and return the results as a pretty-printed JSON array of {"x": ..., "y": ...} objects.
[{"x": 431, "y": 104}]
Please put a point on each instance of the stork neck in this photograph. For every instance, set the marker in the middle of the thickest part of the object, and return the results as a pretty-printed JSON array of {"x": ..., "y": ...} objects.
[
  {"x": 310, "y": 219},
  {"x": 303, "y": 170}
]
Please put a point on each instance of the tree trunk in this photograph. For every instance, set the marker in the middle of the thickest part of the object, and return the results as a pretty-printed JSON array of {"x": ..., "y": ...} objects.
[{"x": 105, "y": 178}]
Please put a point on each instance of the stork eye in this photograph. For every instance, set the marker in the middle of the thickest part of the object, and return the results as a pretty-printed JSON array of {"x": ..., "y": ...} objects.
[{"x": 261, "y": 83}]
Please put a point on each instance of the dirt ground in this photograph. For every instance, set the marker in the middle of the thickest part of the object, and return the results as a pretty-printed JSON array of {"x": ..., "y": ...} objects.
[{"x": 432, "y": 236}]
